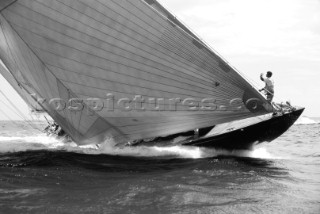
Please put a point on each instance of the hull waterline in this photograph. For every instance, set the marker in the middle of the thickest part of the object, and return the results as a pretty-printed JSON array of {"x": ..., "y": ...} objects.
[{"x": 246, "y": 138}]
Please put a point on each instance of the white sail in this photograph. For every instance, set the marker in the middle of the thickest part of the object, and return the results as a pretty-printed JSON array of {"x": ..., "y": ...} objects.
[{"x": 128, "y": 48}]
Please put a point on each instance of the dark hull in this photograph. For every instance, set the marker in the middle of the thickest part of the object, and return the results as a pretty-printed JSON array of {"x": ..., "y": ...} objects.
[{"x": 245, "y": 138}]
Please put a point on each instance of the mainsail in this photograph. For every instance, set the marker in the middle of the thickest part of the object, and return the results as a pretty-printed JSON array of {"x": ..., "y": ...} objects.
[{"x": 154, "y": 76}]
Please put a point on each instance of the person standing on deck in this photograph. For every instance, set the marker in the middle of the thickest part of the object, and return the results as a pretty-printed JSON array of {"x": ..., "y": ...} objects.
[{"x": 269, "y": 88}]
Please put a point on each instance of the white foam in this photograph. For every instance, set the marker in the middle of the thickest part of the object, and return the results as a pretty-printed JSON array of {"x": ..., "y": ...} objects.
[
  {"x": 261, "y": 153},
  {"x": 306, "y": 121},
  {"x": 44, "y": 142},
  {"x": 145, "y": 151},
  {"x": 30, "y": 143}
]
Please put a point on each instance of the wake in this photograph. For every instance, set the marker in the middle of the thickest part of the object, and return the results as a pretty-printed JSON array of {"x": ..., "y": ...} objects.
[{"x": 43, "y": 142}]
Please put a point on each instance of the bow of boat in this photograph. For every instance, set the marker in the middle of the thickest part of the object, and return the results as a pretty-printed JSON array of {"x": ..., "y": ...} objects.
[{"x": 244, "y": 138}]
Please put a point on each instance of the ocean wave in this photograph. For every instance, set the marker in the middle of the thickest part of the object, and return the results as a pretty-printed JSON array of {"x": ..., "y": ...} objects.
[{"x": 306, "y": 121}]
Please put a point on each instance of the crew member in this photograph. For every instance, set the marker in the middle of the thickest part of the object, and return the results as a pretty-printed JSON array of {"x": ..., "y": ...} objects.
[{"x": 269, "y": 88}]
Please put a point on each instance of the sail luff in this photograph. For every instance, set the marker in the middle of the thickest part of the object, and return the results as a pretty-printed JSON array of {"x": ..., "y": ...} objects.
[{"x": 198, "y": 41}]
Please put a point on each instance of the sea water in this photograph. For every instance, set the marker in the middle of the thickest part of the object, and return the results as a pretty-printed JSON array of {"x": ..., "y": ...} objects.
[{"x": 39, "y": 174}]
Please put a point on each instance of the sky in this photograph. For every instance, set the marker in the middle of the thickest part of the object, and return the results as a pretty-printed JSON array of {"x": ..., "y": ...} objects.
[{"x": 254, "y": 36}]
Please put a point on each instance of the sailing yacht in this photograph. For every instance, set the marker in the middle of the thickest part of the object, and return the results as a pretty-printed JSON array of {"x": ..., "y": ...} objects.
[{"x": 130, "y": 71}]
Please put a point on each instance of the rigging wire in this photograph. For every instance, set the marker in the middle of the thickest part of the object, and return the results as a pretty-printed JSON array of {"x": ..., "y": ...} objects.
[
  {"x": 8, "y": 117},
  {"x": 19, "y": 115},
  {"x": 18, "y": 112},
  {"x": 47, "y": 120}
]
